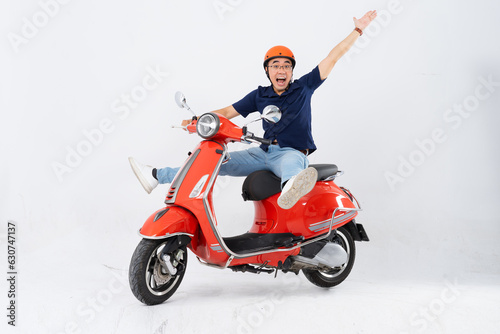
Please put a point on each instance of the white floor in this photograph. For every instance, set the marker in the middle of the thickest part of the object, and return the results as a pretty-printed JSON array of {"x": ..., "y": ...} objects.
[{"x": 77, "y": 283}]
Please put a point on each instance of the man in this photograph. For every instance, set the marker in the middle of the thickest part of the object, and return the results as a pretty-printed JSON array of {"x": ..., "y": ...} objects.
[{"x": 291, "y": 136}]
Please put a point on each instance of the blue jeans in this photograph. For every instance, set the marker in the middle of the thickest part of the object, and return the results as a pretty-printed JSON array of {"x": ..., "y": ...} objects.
[{"x": 283, "y": 162}]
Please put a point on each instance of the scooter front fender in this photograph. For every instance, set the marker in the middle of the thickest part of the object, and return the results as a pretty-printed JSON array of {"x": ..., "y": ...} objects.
[{"x": 169, "y": 221}]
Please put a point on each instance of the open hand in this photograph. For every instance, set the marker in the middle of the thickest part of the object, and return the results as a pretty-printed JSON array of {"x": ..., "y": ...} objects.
[
  {"x": 363, "y": 22},
  {"x": 186, "y": 122}
]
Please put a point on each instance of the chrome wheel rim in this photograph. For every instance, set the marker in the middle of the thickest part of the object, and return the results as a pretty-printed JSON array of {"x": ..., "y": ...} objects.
[{"x": 158, "y": 280}]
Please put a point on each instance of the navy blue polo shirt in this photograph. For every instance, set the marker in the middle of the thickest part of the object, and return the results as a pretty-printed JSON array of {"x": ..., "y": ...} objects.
[{"x": 294, "y": 128}]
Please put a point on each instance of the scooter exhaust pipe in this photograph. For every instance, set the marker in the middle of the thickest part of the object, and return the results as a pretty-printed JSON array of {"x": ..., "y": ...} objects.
[{"x": 331, "y": 255}]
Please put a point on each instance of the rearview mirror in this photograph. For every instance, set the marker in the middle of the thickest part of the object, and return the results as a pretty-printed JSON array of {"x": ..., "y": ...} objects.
[
  {"x": 271, "y": 114},
  {"x": 180, "y": 99}
]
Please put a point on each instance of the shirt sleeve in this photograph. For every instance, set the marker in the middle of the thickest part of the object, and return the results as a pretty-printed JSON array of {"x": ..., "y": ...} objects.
[
  {"x": 312, "y": 80},
  {"x": 247, "y": 104}
]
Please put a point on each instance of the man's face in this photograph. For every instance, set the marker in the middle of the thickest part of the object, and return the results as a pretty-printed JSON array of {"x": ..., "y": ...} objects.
[{"x": 279, "y": 74}]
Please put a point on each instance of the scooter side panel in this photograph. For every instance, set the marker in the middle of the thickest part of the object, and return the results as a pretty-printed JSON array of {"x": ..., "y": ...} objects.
[
  {"x": 310, "y": 217},
  {"x": 265, "y": 216},
  {"x": 320, "y": 205},
  {"x": 205, "y": 245},
  {"x": 168, "y": 221}
]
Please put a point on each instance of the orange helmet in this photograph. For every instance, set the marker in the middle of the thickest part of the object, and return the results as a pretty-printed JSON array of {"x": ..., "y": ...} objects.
[{"x": 279, "y": 51}]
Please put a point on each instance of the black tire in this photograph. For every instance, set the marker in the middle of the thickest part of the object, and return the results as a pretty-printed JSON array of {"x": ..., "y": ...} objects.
[
  {"x": 145, "y": 264},
  {"x": 335, "y": 276}
]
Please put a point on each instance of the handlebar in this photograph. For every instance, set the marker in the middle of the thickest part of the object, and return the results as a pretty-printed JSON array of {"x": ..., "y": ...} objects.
[
  {"x": 252, "y": 137},
  {"x": 249, "y": 136}
]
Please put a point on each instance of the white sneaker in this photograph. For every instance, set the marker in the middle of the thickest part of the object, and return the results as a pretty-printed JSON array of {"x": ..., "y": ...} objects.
[
  {"x": 144, "y": 174},
  {"x": 298, "y": 186}
]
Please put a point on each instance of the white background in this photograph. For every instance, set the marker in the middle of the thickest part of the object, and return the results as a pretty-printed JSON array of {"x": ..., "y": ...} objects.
[{"x": 430, "y": 208}]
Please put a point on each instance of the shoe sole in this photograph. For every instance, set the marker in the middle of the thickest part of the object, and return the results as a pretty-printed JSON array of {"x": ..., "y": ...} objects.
[
  {"x": 137, "y": 171},
  {"x": 303, "y": 183}
]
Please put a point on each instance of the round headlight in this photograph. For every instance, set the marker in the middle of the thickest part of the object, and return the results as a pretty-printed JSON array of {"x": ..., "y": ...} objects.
[{"x": 207, "y": 125}]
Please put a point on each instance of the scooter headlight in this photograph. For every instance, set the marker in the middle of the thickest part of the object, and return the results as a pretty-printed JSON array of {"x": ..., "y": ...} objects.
[{"x": 208, "y": 125}]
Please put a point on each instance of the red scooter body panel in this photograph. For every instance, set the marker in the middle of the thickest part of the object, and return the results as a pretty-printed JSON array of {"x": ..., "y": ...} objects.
[
  {"x": 205, "y": 244},
  {"x": 228, "y": 131},
  {"x": 310, "y": 217},
  {"x": 170, "y": 220}
]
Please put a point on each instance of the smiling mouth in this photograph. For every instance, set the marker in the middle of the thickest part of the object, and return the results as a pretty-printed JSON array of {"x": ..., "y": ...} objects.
[{"x": 281, "y": 81}]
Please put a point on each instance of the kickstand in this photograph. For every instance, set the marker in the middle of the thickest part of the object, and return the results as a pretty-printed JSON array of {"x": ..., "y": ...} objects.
[{"x": 262, "y": 266}]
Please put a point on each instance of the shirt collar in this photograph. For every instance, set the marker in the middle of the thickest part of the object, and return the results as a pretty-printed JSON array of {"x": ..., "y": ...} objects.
[{"x": 269, "y": 91}]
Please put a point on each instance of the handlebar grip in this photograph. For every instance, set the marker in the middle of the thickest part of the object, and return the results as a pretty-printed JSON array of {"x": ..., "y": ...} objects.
[
  {"x": 250, "y": 136},
  {"x": 264, "y": 141}
]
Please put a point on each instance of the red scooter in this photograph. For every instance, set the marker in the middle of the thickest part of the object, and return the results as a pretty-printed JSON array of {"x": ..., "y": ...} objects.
[{"x": 316, "y": 235}]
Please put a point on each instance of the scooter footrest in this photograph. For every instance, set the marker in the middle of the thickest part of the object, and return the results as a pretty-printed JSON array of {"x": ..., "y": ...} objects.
[
  {"x": 289, "y": 241},
  {"x": 253, "y": 242},
  {"x": 251, "y": 269}
]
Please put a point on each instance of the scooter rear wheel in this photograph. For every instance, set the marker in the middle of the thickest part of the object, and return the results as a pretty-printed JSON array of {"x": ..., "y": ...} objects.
[
  {"x": 335, "y": 276},
  {"x": 150, "y": 281}
]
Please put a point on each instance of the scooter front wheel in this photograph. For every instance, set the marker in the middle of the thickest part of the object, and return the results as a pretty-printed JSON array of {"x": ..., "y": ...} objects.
[
  {"x": 335, "y": 276},
  {"x": 153, "y": 281}
]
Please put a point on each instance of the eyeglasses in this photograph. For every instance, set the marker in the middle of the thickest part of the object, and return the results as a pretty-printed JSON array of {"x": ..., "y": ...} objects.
[{"x": 277, "y": 67}]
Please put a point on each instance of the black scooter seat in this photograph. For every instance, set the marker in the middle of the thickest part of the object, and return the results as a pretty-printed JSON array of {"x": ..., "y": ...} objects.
[{"x": 263, "y": 183}]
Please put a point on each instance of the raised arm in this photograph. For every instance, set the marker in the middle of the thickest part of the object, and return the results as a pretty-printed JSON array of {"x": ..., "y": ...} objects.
[{"x": 327, "y": 64}]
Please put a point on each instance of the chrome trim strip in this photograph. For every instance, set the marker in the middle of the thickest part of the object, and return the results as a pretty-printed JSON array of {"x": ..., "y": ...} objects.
[
  {"x": 179, "y": 178},
  {"x": 214, "y": 265},
  {"x": 356, "y": 200},
  {"x": 324, "y": 224},
  {"x": 217, "y": 248},
  {"x": 168, "y": 235},
  {"x": 332, "y": 177},
  {"x": 208, "y": 212}
]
